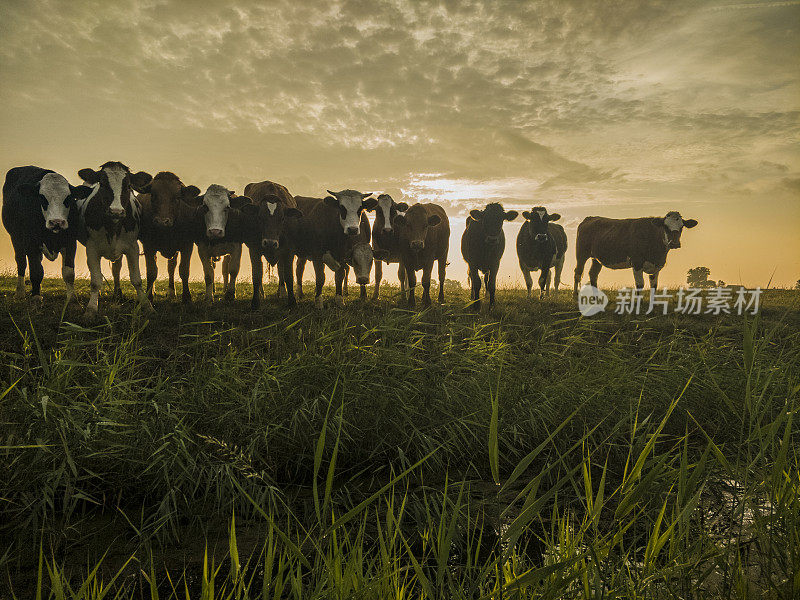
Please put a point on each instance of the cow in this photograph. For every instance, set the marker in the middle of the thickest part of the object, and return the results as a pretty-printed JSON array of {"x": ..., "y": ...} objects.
[
  {"x": 482, "y": 246},
  {"x": 169, "y": 224},
  {"x": 325, "y": 238},
  {"x": 423, "y": 236},
  {"x": 109, "y": 225},
  {"x": 385, "y": 240},
  {"x": 221, "y": 230},
  {"x": 272, "y": 216},
  {"x": 40, "y": 216},
  {"x": 640, "y": 244},
  {"x": 541, "y": 244}
]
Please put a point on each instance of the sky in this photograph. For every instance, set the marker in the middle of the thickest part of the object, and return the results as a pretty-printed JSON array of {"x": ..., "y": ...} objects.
[{"x": 618, "y": 109}]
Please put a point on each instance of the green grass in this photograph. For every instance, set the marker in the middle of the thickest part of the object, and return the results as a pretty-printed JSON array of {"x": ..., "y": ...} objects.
[{"x": 376, "y": 452}]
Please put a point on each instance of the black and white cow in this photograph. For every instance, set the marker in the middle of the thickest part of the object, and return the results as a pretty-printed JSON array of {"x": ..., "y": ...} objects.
[
  {"x": 39, "y": 215},
  {"x": 110, "y": 221},
  {"x": 541, "y": 244}
]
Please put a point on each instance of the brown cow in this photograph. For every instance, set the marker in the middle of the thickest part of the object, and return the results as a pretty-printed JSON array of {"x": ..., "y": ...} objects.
[
  {"x": 275, "y": 215},
  {"x": 385, "y": 240},
  {"x": 324, "y": 239},
  {"x": 424, "y": 236},
  {"x": 168, "y": 226},
  {"x": 641, "y": 244}
]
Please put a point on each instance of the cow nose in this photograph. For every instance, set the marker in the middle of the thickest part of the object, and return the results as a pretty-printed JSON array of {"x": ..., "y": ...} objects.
[
  {"x": 57, "y": 224},
  {"x": 417, "y": 245},
  {"x": 387, "y": 230},
  {"x": 267, "y": 243},
  {"x": 215, "y": 233},
  {"x": 352, "y": 231},
  {"x": 493, "y": 239},
  {"x": 362, "y": 280},
  {"x": 167, "y": 222},
  {"x": 540, "y": 237},
  {"x": 116, "y": 212}
]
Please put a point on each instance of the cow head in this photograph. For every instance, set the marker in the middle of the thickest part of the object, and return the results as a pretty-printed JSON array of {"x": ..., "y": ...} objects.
[
  {"x": 385, "y": 211},
  {"x": 361, "y": 258},
  {"x": 674, "y": 224},
  {"x": 537, "y": 219},
  {"x": 215, "y": 210},
  {"x": 413, "y": 226},
  {"x": 350, "y": 203},
  {"x": 115, "y": 182},
  {"x": 492, "y": 218},
  {"x": 56, "y": 198},
  {"x": 167, "y": 192},
  {"x": 270, "y": 215}
]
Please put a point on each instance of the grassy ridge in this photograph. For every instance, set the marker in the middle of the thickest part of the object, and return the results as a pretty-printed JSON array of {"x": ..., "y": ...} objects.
[{"x": 634, "y": 453}]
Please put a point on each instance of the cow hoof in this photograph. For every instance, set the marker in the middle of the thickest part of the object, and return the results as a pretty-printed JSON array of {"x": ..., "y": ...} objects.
[
  {"x": 90, "y": 315},
  {"x": 281, "y": 292},
  {"x": 147, "y": 307},
  {"x": 19, "y": 295},
  {"x": 208, "y": 300},
  {"x": 37, "y": 301},
  {"x": 319, "y": 303},
  {"x": 171, "y": 295},
  {"x": 300, "y": 294},
  {"x": 186, "y": 298},
  {"x": 117, "y": 295},
  {"x": 338, "y": 300},
  {"x": 230, "y": 296}
]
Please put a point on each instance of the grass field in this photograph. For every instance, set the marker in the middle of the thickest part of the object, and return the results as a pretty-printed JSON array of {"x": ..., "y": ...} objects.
[{"x": 373, "y": 452}]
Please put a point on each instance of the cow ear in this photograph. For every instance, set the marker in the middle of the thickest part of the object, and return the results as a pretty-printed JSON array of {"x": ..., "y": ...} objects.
[
  {"x": 250, "y": 210},
  {"x": 146, "y": 189},
  {"x": 399, "y": 220},
  {"x": 331, "y": 201},
  {"x": 511, "y": 215},
  {"x": 476, "y": 214},
  {"x": 29, "y": 188},
  {"x": 369, "y": 204},
  {"x": 689, "y": 223},
  {"x": 89, "y": 175},
  {"x": 433, "y": 220},
  {"x": 140, "y": 180},
  {"x": 187, "y": 193},
  {"x": 294, "y": 213},
  {"x": 240, "y": 201},
  {"x": 80, "y": 192},
  {"x": 380, "y": 254},
  {"x": 526, "y": 215},
  {"x": 332, "y": 193},
  {"x": 401, "y": 207},
  {"x": 553, "y": 217},
  {"x": 367, "y": 195}
]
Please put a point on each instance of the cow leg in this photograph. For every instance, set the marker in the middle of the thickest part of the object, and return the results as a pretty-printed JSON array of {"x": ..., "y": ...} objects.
[
  {"x": 594, "y": 271},
  {"x": 183, "y": 271},
  {"x": 172, "y": 262},
  {"x": 491, "y": 286},
  {"x": 22, "y": 260},
  {"x": 442, "y": 264},
  {"x": 37, "y": 274},
  {"x": 226, "y": 264},
  {"x": 547, "y": 283},
  {"x": 285, "y": 265},
  {"x": 426, "y": 284},
  {"x": 475, "y": 292},
  {"x": 401, "y": 275},
  {"x": 559, "y": 265},
  {"x": 378, "y": 276},
  {"x": 543, "y": 276},
  {"x": 151, "y": 271},
  {"x": 96, "y": 280},
  {"x": 319, "y": 281},
  {"x": 344, "y": 281},
  {"x": 132, "y": 256},
  {"x": 208, "y": 271},
  {"x": 281, "y": 291},
  {"x": 116, "y": 268},
  {"x": 340, "y": 277},
  {"x": 233, "y": 272},
  {"x": 579, "y": 272},
  {"x": 411, "y": 276},
  {"x": 68, "y": 269},
  {"x": 299, "y": 269},
  {"x": 526, "y": 274},
  {"x": 638, "y": 277},
  {"x": 653, "y": 281},
  {"x": 258, "y": 275}
]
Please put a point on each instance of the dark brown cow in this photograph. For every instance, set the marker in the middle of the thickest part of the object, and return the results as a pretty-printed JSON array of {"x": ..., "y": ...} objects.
[
  {"x": 641, "y": 244},
  {"x": 385, "y": 239},
  {"x": 169, "y": 225},
  {"x": 274, "y": 213},
  {"x": 541, "y": 244},
  {"x": 424, "y": 236},
  {"x": 322, "y": 239}
]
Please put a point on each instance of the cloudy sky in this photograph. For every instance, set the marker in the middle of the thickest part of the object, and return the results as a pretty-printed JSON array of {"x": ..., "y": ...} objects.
[{"x": 586, "y": 107}]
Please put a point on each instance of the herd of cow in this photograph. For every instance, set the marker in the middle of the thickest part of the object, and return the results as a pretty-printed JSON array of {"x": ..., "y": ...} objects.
[{"x": 46, "y": 216}]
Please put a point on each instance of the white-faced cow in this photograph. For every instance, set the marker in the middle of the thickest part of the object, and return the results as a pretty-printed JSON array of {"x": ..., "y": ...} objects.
[
  {"x": 423, "y": 236},
  {"x": 110, "y": 219},
  {"x": 386, "y": 241},
  {"x": 640, "y": 244},
  {"x": 323, "y": 238},
  {"x": 541, "y": 244},
  {"x": 221, "y": 234},
  {"x": 482, "y": 247},
  {"x": 272, "y": 219},
  {"x": 39, "y": 215},
  {"x": 169, "y": 227}
]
